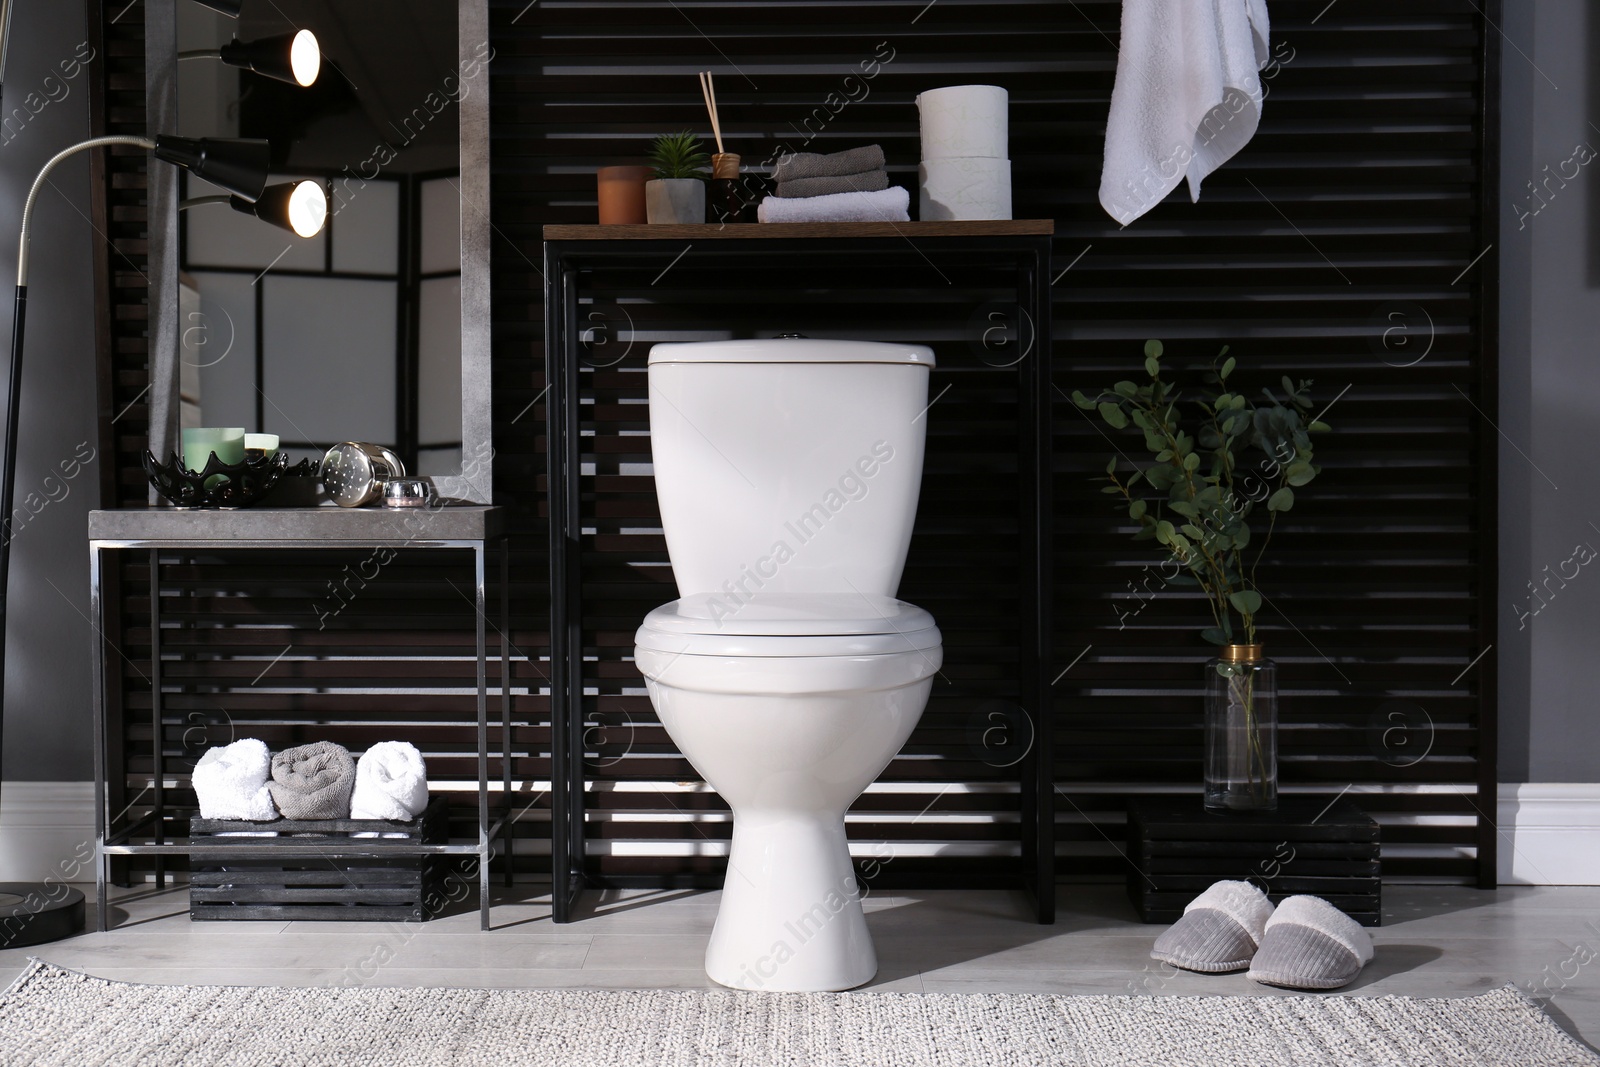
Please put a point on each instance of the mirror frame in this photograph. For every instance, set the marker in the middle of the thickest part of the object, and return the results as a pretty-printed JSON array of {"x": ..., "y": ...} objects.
[{"x": 474, "y": 483}]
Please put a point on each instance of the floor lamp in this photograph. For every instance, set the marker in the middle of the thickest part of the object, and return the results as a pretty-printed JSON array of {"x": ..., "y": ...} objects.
[{"x": 33, "y": 913}]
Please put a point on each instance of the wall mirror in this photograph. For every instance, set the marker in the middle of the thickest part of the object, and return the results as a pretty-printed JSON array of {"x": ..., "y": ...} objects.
[{"x": 377, "y": 328}]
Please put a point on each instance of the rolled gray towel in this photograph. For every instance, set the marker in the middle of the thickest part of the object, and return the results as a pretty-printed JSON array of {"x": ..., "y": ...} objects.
[
  {"x": 832, "y": 165},
  {"x": 313, "y": 781},
  {"x": 869, "y": 182}
]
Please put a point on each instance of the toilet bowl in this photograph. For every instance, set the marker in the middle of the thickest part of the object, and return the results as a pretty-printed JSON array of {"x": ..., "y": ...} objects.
[
  {"x": 789, "y": 727},
  {"x": 787, "y": 673}
]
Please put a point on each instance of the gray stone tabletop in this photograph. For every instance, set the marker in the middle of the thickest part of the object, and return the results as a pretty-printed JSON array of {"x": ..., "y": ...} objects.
[{"x": 467, "y": 522}]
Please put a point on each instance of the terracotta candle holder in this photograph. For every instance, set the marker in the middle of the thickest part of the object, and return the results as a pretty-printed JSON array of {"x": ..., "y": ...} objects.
[{"x": 621, "y": 192}]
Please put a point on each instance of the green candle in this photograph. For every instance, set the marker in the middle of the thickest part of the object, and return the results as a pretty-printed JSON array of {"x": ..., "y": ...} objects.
[
  {"x": 260, "y": 445},
  {"x": 200, "y": 441}
]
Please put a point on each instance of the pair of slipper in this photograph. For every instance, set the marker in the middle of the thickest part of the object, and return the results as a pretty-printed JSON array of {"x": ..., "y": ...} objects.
[{"x": 1305, "y": 943}]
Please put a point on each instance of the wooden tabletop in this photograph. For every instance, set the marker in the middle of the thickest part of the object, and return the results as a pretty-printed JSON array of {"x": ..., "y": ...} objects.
[{"x": 789, "y": 230}]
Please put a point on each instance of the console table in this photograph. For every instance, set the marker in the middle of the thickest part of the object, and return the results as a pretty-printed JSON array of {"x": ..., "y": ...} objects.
[
  {"x": 1020, "y": 247},
  {"x": 463, "y": 528}
]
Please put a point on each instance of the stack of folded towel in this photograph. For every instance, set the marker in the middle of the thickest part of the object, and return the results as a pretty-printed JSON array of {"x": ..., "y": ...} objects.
[
  {"x": 848, "y": 186},
  {"x": 317, "y": 781}
]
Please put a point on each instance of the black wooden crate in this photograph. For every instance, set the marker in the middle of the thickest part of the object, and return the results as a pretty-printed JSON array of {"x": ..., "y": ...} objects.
[
  {"x": 315, "y": 873},
  {"x": 1177, "y": 849}
]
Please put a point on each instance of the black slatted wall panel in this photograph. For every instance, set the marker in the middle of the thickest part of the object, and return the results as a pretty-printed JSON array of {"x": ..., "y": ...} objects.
[
  {"x": 1336, "y": 247},
  {"x": 120, "y": 213},
  {"x": 351, "y": 646},
  {"x": 119, "y": 201},
  {"x": 1363, "y": 194}
]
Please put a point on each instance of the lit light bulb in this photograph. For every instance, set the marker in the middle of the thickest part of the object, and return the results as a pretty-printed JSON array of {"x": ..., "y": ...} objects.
[
  {"x": 305, "y": 58},
  {"x": 308, "y": 208}
]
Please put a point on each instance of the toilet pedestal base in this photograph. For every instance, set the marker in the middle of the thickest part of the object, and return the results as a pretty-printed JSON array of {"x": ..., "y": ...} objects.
[{"x": 791, "y": 917}]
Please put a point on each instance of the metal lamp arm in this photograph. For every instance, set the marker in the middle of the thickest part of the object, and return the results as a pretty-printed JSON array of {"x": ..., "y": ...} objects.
[{"x": 38, "y": 183}]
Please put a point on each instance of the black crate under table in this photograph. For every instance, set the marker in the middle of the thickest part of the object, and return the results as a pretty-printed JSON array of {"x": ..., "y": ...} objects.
[
  {"x": 321, "y": 869},
  {"x": 1177, "y": 849}
]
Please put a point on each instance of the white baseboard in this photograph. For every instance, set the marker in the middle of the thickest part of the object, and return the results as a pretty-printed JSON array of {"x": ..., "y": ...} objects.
[
  {"x": 47, "y": 831},
  {"x": 1549, "y": 833}
]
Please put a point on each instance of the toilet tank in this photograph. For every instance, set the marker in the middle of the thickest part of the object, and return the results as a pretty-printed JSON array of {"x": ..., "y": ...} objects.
[{"x": 788, "y": 465}]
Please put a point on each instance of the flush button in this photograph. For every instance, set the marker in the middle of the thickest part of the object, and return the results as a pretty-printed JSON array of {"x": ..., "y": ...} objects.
[{"x": 791, "y": 336}]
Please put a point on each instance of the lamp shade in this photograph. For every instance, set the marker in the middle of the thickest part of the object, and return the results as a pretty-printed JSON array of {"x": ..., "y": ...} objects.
[
  {"x": 299, "y": 207},
  {"x": 238, "y": 165},
  {"x": 290, "y": 57}
]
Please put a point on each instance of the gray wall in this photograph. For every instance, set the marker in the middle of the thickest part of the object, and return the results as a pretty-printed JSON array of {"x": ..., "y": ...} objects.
[
  {"x": 1550, "y": 394},
  {"x": 47, "y": 714}
]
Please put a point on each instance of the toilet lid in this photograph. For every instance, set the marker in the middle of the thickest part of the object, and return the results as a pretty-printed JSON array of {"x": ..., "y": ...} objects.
[{"x": 788, "y": 624}]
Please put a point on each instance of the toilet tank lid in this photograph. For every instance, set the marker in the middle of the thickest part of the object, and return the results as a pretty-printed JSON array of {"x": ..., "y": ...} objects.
[
  {"x": 790, "y": 350},
  {"x": 790, "y": 615}
]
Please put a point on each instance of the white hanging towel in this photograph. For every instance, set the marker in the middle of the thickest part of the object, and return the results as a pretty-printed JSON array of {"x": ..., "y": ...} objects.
[{"x": 1188, "y": 96}]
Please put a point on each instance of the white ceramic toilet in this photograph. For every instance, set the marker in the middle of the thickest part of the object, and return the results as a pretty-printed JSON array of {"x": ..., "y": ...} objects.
[{"x": 788, "y": 472}]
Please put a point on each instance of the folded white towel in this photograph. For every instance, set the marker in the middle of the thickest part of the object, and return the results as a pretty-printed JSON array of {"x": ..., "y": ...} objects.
[
  {"x": 391, "y": 783},
  {"x": 1188, "y": 96},
  {"x": 880, "y": 205},
  {"x": 231, "y": 782}
]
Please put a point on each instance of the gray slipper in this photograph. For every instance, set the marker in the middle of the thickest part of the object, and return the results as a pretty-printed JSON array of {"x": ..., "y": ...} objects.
[
  {"x": 1310, "y": 944},
  {"x": 1219, "y": 931}
]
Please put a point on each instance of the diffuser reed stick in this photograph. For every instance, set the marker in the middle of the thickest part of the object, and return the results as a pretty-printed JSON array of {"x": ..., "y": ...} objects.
[{"x": 709, "y": 91}]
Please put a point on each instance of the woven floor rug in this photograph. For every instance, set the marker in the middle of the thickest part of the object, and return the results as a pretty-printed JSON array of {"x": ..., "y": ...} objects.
[{"x": 54, "y": 1016}]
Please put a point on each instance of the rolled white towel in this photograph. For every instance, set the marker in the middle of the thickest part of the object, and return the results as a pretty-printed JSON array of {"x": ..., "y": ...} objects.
[
  {"x": 882, "y": 205},
  {"x": 391, "y": 783},
  {"x": 231, "y": 782}
]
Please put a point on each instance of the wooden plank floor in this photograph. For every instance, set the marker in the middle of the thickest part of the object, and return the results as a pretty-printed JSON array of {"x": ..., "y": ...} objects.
[{"x": 1435, "y": 941}]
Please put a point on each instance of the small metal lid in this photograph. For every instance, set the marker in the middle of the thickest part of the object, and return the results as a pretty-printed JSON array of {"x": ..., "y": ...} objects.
[{"x": 406, "y": 493}]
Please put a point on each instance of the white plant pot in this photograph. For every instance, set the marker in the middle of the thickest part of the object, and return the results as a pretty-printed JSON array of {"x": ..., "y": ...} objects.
[{"x": 675, "y": 200}]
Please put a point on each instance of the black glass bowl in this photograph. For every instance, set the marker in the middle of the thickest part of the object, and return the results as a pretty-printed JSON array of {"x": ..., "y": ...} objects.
[{"x": 245, "y": 482}]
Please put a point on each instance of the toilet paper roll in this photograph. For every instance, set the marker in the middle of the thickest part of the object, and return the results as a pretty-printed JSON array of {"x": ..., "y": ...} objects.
[
  {"x": 962, "y": 121},
  {"x": 964, "y": 189}
]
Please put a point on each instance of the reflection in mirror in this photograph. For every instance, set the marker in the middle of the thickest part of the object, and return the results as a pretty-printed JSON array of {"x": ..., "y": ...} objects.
[{"x": 354, "y": 334}]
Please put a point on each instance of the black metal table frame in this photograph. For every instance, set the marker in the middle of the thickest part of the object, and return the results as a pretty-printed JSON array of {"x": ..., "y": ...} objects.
[
  {"x": 564, "y": 260},
  {"x": 112, "y": 840}
]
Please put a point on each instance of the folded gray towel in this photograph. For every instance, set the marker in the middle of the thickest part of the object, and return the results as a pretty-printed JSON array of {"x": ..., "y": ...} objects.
[
  {"x": 313, "y": 781},
  {"x": 815, "y": 165},
  {"x": 869, "y": 182}
]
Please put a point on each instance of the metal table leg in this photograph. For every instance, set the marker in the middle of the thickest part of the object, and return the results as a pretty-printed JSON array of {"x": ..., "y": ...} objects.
[
  {"x": 157, "y": 740},
  {"x": 1041, "y": 405},
  {"x": 507, "y": 828},
  {"x": 97, "y": 666},
  {"x": 482, "y": 666}
]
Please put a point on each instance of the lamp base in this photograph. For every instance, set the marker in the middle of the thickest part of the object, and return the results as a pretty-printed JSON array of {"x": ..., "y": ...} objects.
[{"x": 32, "y": 913}]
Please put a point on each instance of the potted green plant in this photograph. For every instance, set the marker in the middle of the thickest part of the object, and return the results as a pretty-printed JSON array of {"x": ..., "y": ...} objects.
[
  {"x": 677, "y": 193},
  {"x": 1196, "y": 500}
]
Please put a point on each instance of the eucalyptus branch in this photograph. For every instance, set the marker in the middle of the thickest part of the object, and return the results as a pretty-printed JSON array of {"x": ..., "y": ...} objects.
[{"x": 1211, "y": 540}]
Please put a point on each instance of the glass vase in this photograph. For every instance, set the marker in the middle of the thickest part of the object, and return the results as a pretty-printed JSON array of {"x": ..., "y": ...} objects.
[{"x": 1241, "y": 735}]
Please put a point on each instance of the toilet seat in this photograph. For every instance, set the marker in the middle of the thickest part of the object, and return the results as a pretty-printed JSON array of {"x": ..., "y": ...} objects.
[{"x": 785, "y": 625}]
